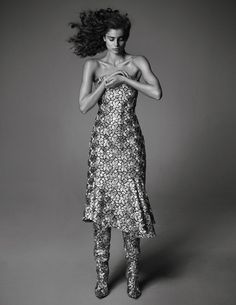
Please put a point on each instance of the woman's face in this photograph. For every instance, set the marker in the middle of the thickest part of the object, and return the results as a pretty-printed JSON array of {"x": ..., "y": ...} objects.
[{"x": 115, "y": 41}]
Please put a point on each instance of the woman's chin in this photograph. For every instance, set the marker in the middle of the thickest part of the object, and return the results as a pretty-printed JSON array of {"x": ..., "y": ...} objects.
[{"x": 117, "y": 51}]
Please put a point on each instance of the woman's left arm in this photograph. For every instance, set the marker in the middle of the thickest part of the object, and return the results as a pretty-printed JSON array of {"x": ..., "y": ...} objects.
[{"x": 152, "y": 87}]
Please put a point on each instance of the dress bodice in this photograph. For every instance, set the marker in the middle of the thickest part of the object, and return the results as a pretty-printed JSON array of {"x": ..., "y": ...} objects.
[{"x": 119, "y": 99}]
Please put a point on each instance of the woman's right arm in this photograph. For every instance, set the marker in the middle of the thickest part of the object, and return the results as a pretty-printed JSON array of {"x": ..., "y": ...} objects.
[{"x": 87, "y": 98}]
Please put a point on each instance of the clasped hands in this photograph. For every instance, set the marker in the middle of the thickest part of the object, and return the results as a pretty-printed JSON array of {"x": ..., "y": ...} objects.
[{"x": 115, "y": 78}]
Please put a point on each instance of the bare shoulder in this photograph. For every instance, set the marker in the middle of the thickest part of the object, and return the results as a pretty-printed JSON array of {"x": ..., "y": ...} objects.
[
  {"x": 144, "y": 66},
  {"x": 89, "y": 69},
  {"x": 140, "y": 60},
  {"x": 90, "y": 64}
]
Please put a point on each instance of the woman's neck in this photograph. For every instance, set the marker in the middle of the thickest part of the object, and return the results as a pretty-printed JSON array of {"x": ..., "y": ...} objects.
[{"x": 115, "y": 59}]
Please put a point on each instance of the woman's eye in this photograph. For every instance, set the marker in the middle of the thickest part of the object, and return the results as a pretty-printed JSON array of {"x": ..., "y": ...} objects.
[{"x": 112, "y": 39}]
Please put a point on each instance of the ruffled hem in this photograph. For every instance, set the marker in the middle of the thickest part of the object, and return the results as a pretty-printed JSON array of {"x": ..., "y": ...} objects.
[
  {"x": 151, "y": 234},
  {"x": 134, "y": 216}
]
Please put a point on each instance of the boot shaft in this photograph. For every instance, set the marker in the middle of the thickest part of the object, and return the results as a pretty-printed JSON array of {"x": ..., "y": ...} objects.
[
  {"x": 102, "y": 237},
  {"x": 132, "y": 254}
]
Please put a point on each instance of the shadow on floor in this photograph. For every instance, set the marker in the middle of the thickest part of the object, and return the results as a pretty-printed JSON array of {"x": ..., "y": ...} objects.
[
  {"x": 165, "y": 260},
  {"x": 118, "y": 275},
  {"x": 162, "y": 261},
  {"x": 169, "y": 257}
]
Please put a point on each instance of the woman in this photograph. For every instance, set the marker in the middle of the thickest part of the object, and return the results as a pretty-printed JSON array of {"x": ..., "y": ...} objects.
[{"x": 115, "y": 190}]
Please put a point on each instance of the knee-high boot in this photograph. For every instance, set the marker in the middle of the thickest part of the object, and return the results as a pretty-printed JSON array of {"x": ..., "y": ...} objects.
[
  {"x": 132, "y": 254},
  {"x": 102, "y": 237}
]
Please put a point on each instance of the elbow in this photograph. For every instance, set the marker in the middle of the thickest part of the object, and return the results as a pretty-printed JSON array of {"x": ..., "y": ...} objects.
[
  {"x": 82, "y": 109},
  {"x": 158, "y": 95}
]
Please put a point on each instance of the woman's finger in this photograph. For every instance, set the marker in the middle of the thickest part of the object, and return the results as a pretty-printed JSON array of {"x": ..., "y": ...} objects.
[
  {"x": 124, "y": 73},
  {"x": 118, "y": 72},
  {"x": 108, "y": 82}
]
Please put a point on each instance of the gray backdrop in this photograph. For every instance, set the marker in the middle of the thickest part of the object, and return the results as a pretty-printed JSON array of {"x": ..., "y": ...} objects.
[{"x": 46, "y": 250}]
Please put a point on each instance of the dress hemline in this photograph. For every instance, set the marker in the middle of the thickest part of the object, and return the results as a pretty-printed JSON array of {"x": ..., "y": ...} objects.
[{"x": 153, "y": 234}]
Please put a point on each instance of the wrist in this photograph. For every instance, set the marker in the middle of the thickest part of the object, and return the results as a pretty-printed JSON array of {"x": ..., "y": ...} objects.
[
  {"x": 103, "y": 83},
  {"x": 123, "y": 78}
]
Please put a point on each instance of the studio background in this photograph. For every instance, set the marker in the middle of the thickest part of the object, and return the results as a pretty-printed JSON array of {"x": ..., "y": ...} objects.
[{"x": 46, "y": 250}]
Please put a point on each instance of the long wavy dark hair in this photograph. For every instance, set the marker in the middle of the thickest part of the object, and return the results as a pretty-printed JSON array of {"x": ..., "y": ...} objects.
[{"x": 93, "y": 25}]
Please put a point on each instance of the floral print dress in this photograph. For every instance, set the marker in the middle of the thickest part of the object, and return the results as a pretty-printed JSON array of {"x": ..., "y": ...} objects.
[{"x": 115, "y": 189}]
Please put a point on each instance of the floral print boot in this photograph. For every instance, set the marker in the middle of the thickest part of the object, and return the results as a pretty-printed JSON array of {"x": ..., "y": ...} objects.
[
  {"x": 132, "y": 254},
  {"x": 102, "y": 237}
]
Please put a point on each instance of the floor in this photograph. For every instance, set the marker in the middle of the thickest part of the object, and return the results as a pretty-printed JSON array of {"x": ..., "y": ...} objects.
[{"x": 47, "y": 258}]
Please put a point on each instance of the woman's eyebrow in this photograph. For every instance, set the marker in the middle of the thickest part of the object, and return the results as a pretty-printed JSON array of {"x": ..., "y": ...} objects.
[{"x": 114, "y": 37}]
